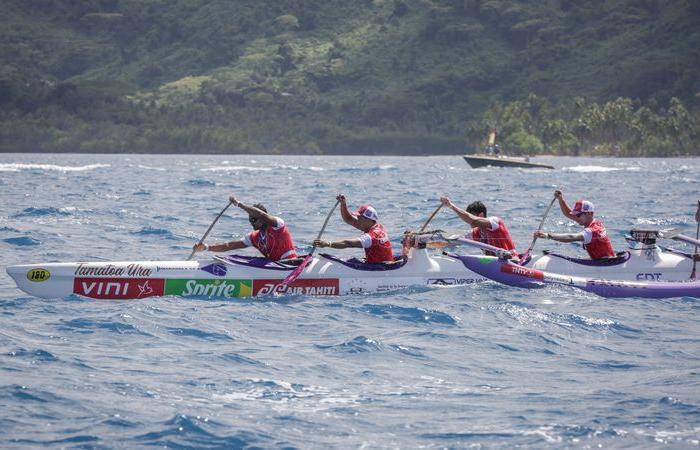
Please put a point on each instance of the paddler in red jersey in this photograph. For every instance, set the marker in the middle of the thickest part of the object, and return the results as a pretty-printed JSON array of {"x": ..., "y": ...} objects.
[
  {"x": 374, "y": 239},
  {"x": 270, "y": 235},
  {"x": 489, "y": 230},
  {"x": 594, "y": 237}
]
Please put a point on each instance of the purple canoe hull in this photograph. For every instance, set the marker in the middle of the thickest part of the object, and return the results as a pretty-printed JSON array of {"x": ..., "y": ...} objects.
[{"x": 506, "y": 272}]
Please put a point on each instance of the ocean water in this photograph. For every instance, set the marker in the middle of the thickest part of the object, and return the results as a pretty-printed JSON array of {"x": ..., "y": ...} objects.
[{"x": 469, "y": 366}]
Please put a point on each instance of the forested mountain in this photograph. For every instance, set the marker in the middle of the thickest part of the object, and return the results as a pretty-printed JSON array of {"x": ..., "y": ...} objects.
[{"x": 329, "y": 76}]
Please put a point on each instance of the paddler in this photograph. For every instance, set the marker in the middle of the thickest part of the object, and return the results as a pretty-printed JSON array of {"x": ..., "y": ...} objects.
[
  {"x": 594, "y": 237},
  {"x": 489, "y": 230},
  {"x": 374, "y": 239},
  {"x": 270, "y": 234}
]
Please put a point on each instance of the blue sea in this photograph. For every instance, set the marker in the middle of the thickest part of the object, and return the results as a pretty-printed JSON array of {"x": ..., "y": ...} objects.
[{"x": 470, "y": 366}]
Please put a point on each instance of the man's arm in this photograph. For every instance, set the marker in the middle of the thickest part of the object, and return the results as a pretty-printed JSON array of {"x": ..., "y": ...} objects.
[
  {"x": 345, "y": 213},
  {"x": 346, "y": 243},
  {"x": 252, "y": 211},
  {"x": 565, "y": 209},
  {"x": 561, "y": 237},
  {"x": 224, "y": 247},
  {"x": 475, "y": 221}
]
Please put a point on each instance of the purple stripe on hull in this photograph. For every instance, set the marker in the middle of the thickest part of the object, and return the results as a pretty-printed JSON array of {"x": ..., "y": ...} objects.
[
  {"x": 523, "y": 277},
  {"x": 606, "y": 288}
]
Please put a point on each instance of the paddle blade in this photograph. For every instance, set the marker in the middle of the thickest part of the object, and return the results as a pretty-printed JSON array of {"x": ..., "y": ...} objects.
[{"x": 291, "y": 278}]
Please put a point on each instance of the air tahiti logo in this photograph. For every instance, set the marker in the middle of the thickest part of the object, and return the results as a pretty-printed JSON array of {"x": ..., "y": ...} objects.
[
  {"x": 319, "y": 286},
  {"x": 522, "y": 271},
  {"x": 118, "y": 288},
  {"x": 209, "y": 288},
  {"x": 38, "y": 275},
  {"x": 110, "y": 270}
]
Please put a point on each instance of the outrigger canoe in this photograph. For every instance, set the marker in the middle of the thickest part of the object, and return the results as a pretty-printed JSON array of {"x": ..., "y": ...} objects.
[
  {"x": 507, "y": 272},
  {"x": 502, "y": 269},
  {"x": 644, "y": 265},
  {"x": 235, "y": 276}
]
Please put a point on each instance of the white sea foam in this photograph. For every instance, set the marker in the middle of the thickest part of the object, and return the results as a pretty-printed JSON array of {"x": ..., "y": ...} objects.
[
  {"x": 235, "y": 169},
  {"x": 587, "y": 169},
  {"x": 17, "y": 167}
]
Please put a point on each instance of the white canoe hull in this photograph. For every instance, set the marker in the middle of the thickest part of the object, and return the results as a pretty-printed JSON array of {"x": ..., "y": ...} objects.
[
  {"x": 216, "y": 279},
  {"x": 637, "y": 265}
]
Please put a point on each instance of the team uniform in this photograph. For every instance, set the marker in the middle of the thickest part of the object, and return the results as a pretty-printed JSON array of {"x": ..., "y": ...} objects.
[
  {"x": 377, "y": 245},
  {"x": 596, "y": 241},
  {"x": 275, "y": 243},
  {"x": 497, "y": 235}
]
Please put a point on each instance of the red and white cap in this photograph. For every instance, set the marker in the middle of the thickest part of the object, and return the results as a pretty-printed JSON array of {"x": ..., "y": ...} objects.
[
  {"x": 582, "y": 206},
  {"x": 367, "y": 212}
]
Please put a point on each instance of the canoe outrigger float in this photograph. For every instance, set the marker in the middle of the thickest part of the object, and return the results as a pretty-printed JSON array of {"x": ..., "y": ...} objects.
[{"x": 644, "y": 270}]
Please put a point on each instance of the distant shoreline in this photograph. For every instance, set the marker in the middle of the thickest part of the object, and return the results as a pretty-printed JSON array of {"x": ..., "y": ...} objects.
[{"x": 359, "y": 153}]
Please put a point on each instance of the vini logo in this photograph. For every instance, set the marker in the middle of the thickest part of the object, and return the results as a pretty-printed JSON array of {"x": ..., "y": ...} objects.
[{"x": 118, "y": 288}]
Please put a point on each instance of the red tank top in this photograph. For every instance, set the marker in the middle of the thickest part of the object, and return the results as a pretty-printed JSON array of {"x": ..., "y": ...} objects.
[
  {"x": 500, "y": 237},
  {"x": 380, "y": 250},
  {"x": 600, "y": 246},
  {"x": 274, "y": 244}
]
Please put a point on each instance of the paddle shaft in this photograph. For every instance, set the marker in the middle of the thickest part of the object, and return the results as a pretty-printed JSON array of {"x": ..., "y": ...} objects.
[
  {"x": 534, "y": 239},
  {"x": 425, "y": 225},
  {"x": 697, "y": 236},
  {"x": 325, "y": 223},
  {"x": 209, "y": 229},
  {"x": 296, "y": 272}
]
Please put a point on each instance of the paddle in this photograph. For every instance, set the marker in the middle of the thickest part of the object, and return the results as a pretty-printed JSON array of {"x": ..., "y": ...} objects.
[
  {"x": 676, "y": 236},
  {"x": 209, "y": 229},
  {"x": 534, "y": 239},
  {"x": 425, "y": 225},
  {"x": 697, "y": 235},
  {"x": 296, "y": 272}
]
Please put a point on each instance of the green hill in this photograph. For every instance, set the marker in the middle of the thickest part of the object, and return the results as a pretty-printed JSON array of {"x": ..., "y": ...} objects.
[{"x": 329, "y": 76}]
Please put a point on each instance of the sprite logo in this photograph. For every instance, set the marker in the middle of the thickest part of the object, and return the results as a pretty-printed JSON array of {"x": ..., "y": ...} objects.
[{"x": 209, "y": 288}]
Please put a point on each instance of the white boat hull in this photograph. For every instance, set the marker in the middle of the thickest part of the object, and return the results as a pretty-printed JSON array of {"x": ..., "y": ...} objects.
[
  {"x": 639, "y": 265},
  {"x": 217, "y": 279}
]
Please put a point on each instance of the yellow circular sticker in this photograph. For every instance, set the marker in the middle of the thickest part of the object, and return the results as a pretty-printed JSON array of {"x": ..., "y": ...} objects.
[{"x": 38, "y": 275}]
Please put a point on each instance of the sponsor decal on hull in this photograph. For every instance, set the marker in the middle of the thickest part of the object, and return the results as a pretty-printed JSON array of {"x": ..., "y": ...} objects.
[
  {"x": 118, "y": 288},
  {"x": 38, "y": 275},
  {"x": 450, "y": 281},
  {"x": 522, "y": 271},
  {"x": 110, "y": 270},
  {"x": 318, "y": 286},
  {"x": 209, "y": 288}
]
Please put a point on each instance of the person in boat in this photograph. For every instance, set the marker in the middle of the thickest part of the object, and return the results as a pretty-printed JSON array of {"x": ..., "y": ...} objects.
[
  {"x": 497, "y": 150},
  {"x": 270, "y": 235},
  {"x": 489, "y": 230},
  {"x": 594, "y": 237},
  {"x": 374, "y": 239}
]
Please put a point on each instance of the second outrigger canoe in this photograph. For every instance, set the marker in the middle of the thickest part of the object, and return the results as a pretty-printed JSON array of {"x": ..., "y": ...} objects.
[{"x": 666, "y": 274}]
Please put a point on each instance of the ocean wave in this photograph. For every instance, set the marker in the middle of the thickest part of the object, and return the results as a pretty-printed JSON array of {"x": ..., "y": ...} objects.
[
  {"x": 48, "y": 211},
  {"x": 198, "y": 182},
  {"x": 359, "y": 344},
  {"x": 151, "y": 231},
  {"x": 22, "y": 241},
  {"x": 409, "y": 314},
  {"x": 18, "y": 167},
  {"x": 593, "y": 169},
  {"x": 236, "y": 169}
]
